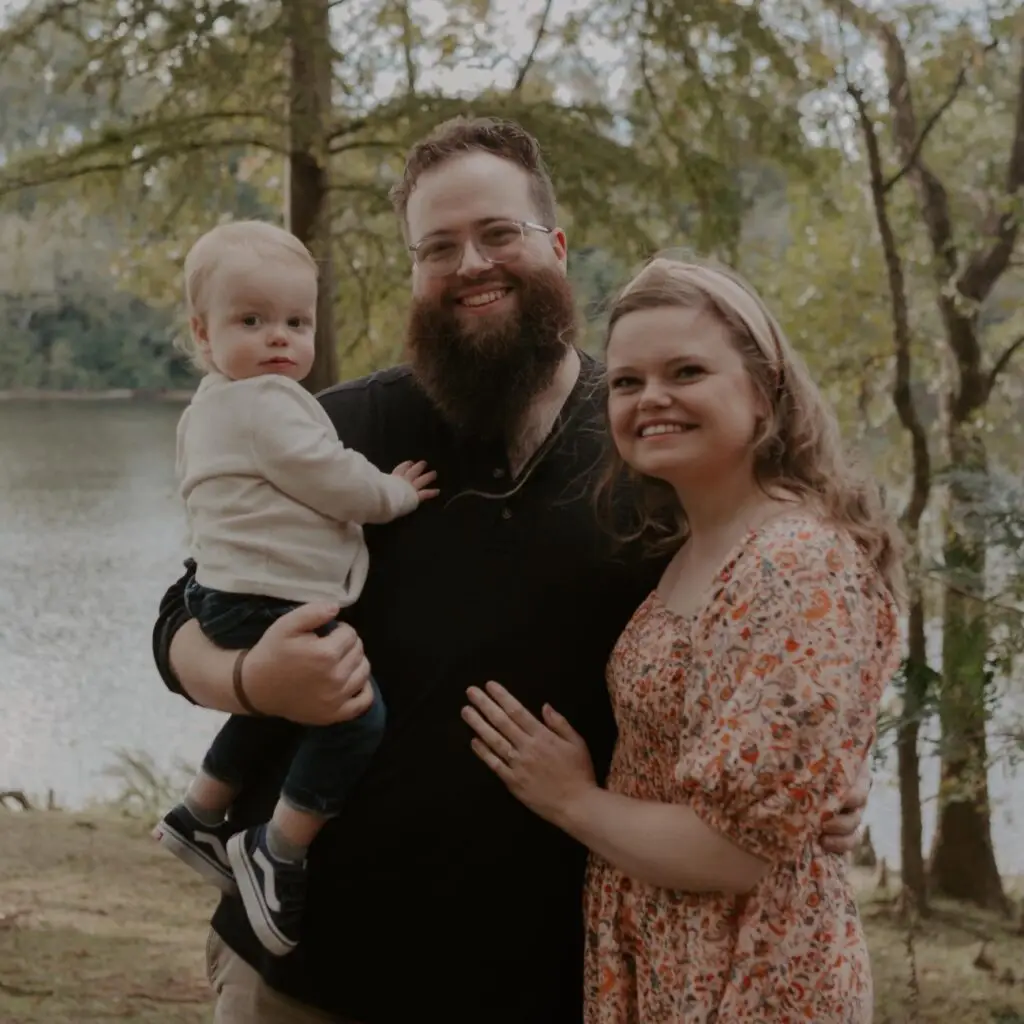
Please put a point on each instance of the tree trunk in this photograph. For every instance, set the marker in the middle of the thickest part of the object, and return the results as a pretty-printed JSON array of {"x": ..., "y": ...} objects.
[
  {"x": 913, "y": 874},
  {"x": 307, "y": 178},
  {"x": 917, "y": 673},
  {"x": 962, "y": 863}
]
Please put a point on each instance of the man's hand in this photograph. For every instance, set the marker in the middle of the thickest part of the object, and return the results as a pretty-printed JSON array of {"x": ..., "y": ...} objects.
[
  {"x": 312, "y": 680},
  {"x": 840, "y": 834}
]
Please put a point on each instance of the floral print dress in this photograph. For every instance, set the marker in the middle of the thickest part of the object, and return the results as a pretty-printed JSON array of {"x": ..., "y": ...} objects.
[{"x": 757, "y": 713}]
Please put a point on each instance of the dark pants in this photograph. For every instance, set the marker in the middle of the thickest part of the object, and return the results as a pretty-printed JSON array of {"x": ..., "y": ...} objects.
[{"x": 330, "y": 758}]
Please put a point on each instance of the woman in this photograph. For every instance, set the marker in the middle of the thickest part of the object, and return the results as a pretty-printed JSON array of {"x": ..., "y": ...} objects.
[{"x": 746, "y": 687}]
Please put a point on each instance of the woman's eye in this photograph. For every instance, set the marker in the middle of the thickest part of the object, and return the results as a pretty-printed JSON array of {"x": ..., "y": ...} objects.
[{"x": 689, "y": 370}]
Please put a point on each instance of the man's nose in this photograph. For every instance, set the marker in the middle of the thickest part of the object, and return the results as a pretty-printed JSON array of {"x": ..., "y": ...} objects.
[{"x": 472, "y": 263}]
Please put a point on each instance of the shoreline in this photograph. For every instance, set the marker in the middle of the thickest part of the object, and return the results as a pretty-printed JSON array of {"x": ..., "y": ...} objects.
[{"x": 178, "y": 395}]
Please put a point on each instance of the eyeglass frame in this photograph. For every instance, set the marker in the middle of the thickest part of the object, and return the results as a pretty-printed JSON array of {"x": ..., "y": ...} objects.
[{"x": 523, "y": 225}]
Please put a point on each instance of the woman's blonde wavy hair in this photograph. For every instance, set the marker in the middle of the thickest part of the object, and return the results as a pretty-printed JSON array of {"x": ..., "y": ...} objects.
[{"x": 797, "y": 448}]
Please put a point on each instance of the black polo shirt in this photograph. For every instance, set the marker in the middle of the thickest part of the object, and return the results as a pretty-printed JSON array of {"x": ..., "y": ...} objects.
[{"x": 435, "y": 894}]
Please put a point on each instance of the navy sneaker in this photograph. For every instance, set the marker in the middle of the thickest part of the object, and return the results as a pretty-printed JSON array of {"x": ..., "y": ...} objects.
[
  {"x": 202, "y": 847},
  {"x": 273, "y": 891}
]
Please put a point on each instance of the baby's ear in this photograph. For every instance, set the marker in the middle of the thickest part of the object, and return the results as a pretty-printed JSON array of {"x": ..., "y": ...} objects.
[{"x": 199, "y": 333}]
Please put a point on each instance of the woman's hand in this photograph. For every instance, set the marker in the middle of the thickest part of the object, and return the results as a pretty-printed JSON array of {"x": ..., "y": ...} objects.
[
  {"x": 545, "y": 764},
  {"x": 841, "y": 833},
  {"x": 312, "y": 680}
]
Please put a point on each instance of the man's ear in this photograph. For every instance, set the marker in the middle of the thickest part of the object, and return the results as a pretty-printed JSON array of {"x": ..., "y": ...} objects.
[{"x": 560, "y": 245}]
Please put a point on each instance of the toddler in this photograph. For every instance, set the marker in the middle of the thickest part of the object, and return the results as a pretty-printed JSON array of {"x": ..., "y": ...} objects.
[{"x": 274, "y": 504}]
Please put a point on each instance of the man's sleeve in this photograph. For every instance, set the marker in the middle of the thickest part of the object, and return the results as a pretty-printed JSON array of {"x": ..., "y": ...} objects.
[{"x": 172, "y": 616}]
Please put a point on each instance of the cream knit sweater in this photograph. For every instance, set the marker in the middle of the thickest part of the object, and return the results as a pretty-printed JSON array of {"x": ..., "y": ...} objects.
[{"x": 274, "y": 500}]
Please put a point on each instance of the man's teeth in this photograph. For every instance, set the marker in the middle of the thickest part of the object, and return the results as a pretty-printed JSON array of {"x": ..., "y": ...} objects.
[
  {"x": 664, "y": 428},
  {"x": 485, "y": 298}
]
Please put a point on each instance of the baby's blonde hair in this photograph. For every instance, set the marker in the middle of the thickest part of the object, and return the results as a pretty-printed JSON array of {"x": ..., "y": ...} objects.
[{"x": 241, "y": 237}]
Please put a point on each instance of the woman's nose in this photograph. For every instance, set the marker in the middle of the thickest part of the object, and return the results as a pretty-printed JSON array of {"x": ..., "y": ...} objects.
[{"x": 654, "y": 396}]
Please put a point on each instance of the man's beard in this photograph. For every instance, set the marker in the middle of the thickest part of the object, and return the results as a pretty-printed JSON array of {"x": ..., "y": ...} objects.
[{"x": 484, "y": 379}]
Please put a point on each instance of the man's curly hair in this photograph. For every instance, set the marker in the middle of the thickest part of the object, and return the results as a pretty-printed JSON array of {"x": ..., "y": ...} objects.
[{"x": 462, "y": 135}]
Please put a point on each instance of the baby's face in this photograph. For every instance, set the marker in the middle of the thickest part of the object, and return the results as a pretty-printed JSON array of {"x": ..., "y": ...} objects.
[{"x": 260, "y": 318}]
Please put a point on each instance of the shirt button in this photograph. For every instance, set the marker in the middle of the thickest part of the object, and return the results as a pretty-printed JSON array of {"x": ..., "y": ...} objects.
[
  {"x": 498, "y": 474},
  {"x": 506, "y": 513}
]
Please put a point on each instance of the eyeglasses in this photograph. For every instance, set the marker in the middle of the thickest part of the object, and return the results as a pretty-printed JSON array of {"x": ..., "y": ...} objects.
[{"x": 499, "y": 241}]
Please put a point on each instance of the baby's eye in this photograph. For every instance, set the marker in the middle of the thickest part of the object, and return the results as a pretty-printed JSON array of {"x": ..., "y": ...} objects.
[{"x": 251, "y": 320}]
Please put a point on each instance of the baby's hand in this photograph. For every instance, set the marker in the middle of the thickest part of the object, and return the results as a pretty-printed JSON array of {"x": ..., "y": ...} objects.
[{"x": 419, "y": 476}]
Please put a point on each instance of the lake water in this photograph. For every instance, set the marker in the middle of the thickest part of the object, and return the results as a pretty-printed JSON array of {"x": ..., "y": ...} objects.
[{"x": 91, "y": 533}]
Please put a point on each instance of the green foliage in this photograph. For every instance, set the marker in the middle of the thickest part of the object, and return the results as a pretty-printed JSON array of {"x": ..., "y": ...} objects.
[
  {"x": 91, "y": 339},
  {"x": 180, "y": 118}
]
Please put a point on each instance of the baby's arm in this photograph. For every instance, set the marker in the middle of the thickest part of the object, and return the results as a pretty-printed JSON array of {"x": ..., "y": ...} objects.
[{"x": 296, "y": 449}]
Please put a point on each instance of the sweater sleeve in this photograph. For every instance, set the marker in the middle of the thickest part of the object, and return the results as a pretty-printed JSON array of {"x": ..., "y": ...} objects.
[{"x": 294, "y": 446}]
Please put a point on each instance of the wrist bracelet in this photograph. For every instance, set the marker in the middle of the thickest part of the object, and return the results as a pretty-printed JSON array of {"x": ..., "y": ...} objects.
[{"x": 236, "y": 681}]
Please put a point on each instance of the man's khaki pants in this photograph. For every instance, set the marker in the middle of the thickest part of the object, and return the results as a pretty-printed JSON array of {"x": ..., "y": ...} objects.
[{"x": 243, "y": 997}]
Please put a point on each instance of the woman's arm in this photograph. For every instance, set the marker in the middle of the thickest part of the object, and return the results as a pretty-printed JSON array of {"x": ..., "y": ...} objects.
[
  {"x": 662, "y": 844},
  {"x": 789, "y": 705}
]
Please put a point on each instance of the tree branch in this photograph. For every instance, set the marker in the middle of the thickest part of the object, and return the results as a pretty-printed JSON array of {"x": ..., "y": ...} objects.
[
  {"x": 932, "y": 121},
  {"x": 407, "y": 49},
  {"x": 935, "y": 204},
  {"x": 902, "y": 393},
  {"x": 532, "y": 55},
  {"x": 344, "y": 147},
  {"x": 60, "y": 173},
  {"x": 1003, "y": 361},
  {"x": 987, "y": 266},
  {"x": 31, "y": 21},
  {"x": 393, "y": 111}
]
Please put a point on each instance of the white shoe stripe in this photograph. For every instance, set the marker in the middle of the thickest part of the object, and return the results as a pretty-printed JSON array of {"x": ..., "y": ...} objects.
[
  {"x": 214, "y": 843},
  {"x": 269, "y": 895}
]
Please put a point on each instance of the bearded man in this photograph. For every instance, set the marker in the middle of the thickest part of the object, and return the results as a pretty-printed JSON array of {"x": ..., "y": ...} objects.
[{"x": 435, "y": 894}]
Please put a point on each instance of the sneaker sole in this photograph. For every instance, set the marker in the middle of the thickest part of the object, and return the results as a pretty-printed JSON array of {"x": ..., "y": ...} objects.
[
  {"x": 253, "y": 900},
  {"x": 205, "y": 865}
]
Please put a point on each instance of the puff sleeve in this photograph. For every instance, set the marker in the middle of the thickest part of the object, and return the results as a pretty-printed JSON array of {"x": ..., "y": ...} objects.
[{"x": 789, "y": 681}]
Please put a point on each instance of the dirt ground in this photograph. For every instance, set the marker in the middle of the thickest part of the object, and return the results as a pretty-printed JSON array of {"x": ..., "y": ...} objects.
[{"x": 98, "y": 924}]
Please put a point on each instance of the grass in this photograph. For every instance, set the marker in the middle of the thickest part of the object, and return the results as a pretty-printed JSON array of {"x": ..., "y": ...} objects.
[
  {"x": 959, "y": 965},
  {"x": 98, "y": 924}
]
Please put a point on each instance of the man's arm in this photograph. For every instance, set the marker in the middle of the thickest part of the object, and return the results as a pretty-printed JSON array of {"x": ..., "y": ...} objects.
[
  {"x": 182, "y": 652},
  {"x": 291, "y": 673},
  {"x": 170, "y": 618}
]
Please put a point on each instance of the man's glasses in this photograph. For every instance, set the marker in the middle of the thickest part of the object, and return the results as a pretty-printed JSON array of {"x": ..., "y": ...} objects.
[{"x": 499, "y": 241}]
